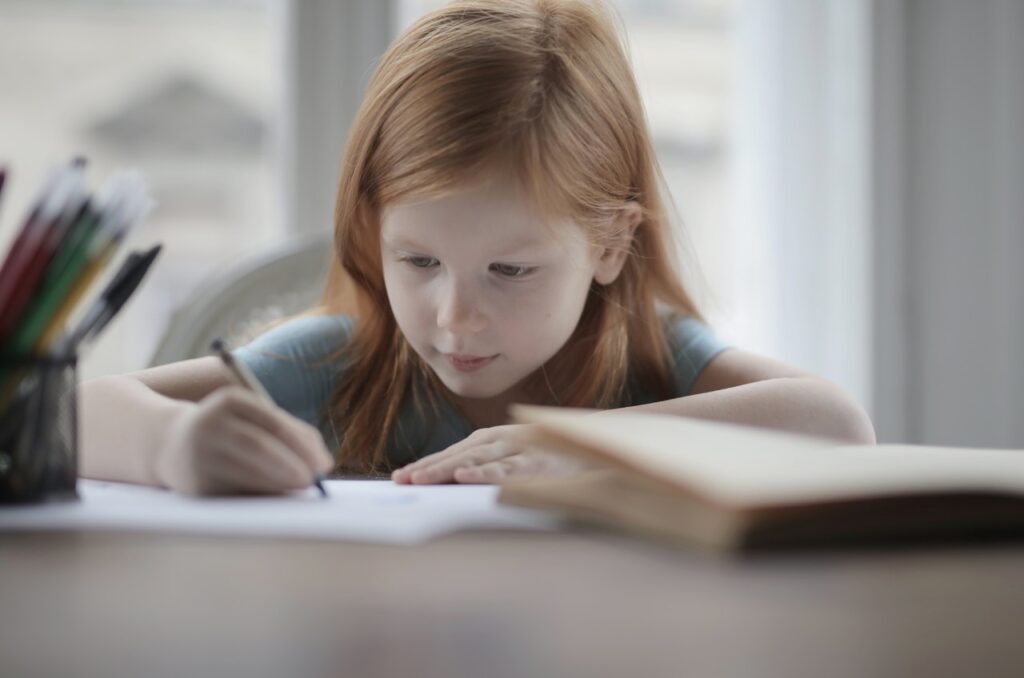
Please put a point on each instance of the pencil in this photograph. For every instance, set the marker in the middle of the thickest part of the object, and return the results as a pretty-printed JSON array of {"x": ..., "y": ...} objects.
[
  {"x": 96, "y": 264},
  {"x": 245, "y": 378}
]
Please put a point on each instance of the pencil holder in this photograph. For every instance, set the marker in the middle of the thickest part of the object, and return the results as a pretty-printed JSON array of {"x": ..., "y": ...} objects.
[{"x": 38, "y": 429}]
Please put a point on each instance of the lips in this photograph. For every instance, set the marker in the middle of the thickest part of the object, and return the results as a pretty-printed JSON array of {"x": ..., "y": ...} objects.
[
  {"x": 466, "y": 357},
  {"x": 468, "y": 363}
]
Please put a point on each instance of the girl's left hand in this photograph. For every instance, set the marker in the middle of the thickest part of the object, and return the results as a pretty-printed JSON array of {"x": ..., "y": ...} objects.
[{"x": 488, "y": 455}]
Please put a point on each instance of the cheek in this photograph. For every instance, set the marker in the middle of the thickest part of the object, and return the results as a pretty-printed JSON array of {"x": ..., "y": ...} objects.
[
  {"x": 406, "y": 299},
  {"x": 549, "y": 313},
  {"x": 564, "y": 297}
]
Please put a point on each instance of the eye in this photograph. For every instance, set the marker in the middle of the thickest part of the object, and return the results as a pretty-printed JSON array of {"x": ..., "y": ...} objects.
[
  {"x": 511, "y": 271},
  {"x": 420, "y": 262}
]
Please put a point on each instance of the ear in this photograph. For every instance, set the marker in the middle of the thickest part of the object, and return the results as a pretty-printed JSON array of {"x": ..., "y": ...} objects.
[{"x": 612, "y": 256}]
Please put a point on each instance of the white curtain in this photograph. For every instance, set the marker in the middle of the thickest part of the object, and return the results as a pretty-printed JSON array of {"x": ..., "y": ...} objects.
[{"x": 800, "y": 151}]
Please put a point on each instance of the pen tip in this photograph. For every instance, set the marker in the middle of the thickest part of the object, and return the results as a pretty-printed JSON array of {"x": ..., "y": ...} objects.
[{"x": 217, "y": 345}]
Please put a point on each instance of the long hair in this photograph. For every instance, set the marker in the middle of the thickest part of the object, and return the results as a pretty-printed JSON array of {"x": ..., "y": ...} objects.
[{"x": 546, "y": 86}]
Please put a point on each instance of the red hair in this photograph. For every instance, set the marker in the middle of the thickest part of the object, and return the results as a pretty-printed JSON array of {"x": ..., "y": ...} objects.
[{"x": 545, "y": 86}]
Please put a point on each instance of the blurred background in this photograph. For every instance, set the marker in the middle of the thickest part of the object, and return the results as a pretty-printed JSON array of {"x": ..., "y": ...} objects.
[{"x": 849, "y": 174}]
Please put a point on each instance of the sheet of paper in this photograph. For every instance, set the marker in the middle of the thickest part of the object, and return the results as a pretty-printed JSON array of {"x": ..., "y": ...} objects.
[{"x": 355, "y": 510}]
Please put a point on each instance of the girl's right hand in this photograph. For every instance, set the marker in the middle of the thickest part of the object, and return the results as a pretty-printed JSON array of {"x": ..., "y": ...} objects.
[{"x": 233, "y": 442}]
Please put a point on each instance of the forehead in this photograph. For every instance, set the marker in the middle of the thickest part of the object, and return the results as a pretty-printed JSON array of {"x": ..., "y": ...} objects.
[{"x": 491, "y": 212}]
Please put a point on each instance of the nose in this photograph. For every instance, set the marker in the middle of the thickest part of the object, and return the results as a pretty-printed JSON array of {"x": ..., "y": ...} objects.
[{"x": 458, "y": 310}]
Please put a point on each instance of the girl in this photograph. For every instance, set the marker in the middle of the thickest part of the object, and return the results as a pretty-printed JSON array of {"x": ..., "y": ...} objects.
[{"x": 499, "y": 237}]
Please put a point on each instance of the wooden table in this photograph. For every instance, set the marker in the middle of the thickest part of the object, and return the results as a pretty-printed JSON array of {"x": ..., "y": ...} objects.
[{"x": 492, "y": 605}]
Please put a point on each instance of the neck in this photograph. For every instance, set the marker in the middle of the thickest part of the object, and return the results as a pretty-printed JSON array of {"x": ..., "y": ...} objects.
[
  {"x": 484, "y": 412},
  {"x": 493, "y": 411}
]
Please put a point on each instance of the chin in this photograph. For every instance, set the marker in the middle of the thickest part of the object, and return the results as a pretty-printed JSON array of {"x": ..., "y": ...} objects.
[
  {"x": 472, "y": 385},
  {"x": 467, "y": 389}
]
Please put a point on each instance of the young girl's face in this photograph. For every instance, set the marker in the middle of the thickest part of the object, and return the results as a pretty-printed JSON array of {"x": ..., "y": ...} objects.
[{"x": 481, "y": 288}]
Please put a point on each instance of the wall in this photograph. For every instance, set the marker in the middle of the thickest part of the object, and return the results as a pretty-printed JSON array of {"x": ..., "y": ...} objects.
[{"x": 949, "y": 230}]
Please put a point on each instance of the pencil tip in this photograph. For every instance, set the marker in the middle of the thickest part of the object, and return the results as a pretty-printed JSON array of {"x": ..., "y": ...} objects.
[
  {"x": 217, "y": 345},
  {"x": 318, "y": 480}
]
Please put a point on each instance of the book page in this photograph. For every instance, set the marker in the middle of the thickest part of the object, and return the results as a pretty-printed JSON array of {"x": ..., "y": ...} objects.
[{"x": 746, "y": 466}]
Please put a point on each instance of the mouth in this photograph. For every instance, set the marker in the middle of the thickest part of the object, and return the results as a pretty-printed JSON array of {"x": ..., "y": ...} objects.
[{"x": 468, "y": 363}]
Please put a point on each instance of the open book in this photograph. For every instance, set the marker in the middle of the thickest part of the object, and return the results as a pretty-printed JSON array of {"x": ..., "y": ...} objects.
[{"x": 734, "y": 487}]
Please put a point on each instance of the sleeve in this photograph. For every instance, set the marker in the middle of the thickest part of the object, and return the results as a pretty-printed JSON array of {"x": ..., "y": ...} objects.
[
  {"x": 292, "y": 361},
  {"x": 692, "y": 345}
]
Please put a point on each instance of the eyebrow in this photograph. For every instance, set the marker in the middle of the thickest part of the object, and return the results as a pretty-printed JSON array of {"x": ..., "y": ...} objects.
[{"x": 510, "y": 248}]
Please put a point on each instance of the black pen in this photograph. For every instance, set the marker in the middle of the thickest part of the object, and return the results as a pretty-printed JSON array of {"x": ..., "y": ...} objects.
[
  {"x": 112, "y": 299},
  {"x": 248, "y": 380}
]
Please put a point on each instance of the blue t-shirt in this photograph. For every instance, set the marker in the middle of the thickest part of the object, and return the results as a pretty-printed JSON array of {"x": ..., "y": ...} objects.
[{"x": 292, "y": 361}]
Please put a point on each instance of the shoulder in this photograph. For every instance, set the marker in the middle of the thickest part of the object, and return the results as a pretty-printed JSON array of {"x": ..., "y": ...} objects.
[
  {"x": 702, "y": 363},
  {"x": 296, "y": 361},
  {"x": 305, "y": 337},
  {"x": 692, "y": 345},
  {"x": 684, "y": 331}
]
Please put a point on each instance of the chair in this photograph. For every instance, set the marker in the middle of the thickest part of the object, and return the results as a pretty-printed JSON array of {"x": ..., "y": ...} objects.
[{"x": 238, "y": 303}]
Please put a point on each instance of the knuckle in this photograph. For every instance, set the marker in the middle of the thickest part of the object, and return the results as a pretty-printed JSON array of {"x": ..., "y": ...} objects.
[
  {"x": 224, "y": 399},
  {"x": 208, "y": 422},
  {"x": 224, "y": 396},
  {"x": 295, "y": 475},
  {"x": 312, "y": 436},
  {"x": 480, "y": 435},
  {"x": 239, "y": 397},
  {"x": 299, "y": 480},
  {"x": 235, "y": 434},
  {"x": 492, "y": 473},
  {"x": 308, "y": 428}
]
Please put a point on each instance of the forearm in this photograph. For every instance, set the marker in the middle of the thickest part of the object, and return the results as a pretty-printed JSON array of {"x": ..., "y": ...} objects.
[
  {"x": 121, "y": 423},
  {"x": 798, "y": 404}
]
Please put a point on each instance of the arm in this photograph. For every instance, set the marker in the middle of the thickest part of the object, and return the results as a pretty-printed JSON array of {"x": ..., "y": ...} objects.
[
  {"x": 735, "y": 386},
  {"x": 745, "y": 388},
  {"x": 186, "y": 427},
  {"x": 123, "y": 416}
]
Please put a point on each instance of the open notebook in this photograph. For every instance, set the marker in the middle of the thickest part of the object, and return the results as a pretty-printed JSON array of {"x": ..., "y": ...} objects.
[{"x": 730, "y": 487}]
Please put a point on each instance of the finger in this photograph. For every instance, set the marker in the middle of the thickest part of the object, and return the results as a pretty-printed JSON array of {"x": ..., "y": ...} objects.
[
  {"x": 476, "y": 439},
  {"x": 490, "y": 473},
  {"x": 298, "y": 435},
  {"x": 233, "y": 475},
  {"x": 443, "y": 471},
  {"x": 295, "y": 433},
  {"x": 252, "y": 460},
  {"x": 471, "y": 441},
  {"x": 438, "y": 468},
  {"x": 521, "y": 464},
  {"x": 480, "y": 436},
  {"x": 269, "y": 463}
]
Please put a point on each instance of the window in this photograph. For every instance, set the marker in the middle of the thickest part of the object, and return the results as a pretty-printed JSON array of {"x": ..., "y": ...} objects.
[{"x": 187, "y": 92}]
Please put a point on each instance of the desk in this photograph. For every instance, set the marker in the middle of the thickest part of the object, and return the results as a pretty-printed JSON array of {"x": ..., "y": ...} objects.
[{"x": 499, "y": 605}]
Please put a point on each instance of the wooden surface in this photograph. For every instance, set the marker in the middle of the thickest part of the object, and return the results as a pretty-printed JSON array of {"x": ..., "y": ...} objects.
[{"x": 497, "y": 605}]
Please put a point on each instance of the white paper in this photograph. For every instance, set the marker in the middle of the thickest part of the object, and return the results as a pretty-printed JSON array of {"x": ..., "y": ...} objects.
[{"x": 355, "y": 510}]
